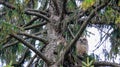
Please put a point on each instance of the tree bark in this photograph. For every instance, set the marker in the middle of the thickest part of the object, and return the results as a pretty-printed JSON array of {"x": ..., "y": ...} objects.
[{"x": 57, "y": 42}]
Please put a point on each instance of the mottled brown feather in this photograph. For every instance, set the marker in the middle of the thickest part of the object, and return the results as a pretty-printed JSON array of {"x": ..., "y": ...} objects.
[{"x": 82, "y": 46}]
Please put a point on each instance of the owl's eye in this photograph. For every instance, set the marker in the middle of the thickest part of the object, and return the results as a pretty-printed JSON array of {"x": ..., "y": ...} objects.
[{"x": 85, "y": 39}]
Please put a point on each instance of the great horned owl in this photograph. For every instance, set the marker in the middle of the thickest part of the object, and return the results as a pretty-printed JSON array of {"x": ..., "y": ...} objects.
[{"x": 82, "y": 46}]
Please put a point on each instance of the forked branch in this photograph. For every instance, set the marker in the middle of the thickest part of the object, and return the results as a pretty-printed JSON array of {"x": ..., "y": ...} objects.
[
  {"x": 81, "y": 30},
  {"x": 30, "y": 46}
]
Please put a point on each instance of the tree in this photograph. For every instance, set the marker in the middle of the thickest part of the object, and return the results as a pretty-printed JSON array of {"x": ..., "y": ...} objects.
[{"x": 51, "y": 28}]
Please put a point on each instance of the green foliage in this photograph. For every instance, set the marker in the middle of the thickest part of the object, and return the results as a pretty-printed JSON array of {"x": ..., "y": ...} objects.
[
  {"x": 115, "y": 41},
  {"x": 88, "y": 63},
  {"x": 7, "y": 55},
  {"x": 6, "y": 29},
  {"x": 28, "y": 3},
  {"x": 87, "y": 3},
  {"x": 117, "y": 20},
  {"x": 9, "y": 65},
  {"x": 20, "y": 48},
  {"x": 17, "y": 16},
  {"x": 61, "y": 66},
  {"x": 71, "y": 5},
  {"x": 75, "y": 28},
  {"x": 110, "y": 14}
]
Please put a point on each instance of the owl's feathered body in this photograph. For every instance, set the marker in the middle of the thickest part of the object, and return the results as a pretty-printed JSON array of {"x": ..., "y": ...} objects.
[{"x": 82, "y": 46}]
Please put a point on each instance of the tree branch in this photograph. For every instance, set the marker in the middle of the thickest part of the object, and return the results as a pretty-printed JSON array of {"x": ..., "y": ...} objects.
[
  {"x": 8, "y": 45},
  {"x": 15, "y": 42},
  {"x": 35, "y": 56},
  {"x": 30, "y": 46},
  {"x": 71, "y": 32},
  {"x": 35, "y": 37},
  {"x": 26, "y": 12},
  {"x": 81, "y": 30},
  {"x": 103, "y": 63},
  {"x": 31, "y": 21},
  {"x": 84, "y": 25},
  {"x": 39, "y": 11},
  {"x": 37, "y": 14},
  {"x": 34, "y": 26},
  {"x": 7, "y": 5}
]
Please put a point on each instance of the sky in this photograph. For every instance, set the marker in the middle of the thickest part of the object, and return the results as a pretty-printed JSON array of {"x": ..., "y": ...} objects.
[{"x": 93, "y": 42}]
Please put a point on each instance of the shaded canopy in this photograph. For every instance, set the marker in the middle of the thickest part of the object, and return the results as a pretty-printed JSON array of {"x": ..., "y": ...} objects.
[{"x": 51, "y": 28}]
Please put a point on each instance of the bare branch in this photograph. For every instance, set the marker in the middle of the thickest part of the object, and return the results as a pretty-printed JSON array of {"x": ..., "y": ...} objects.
[
  {"x": 7, "y": 4},
  {"x": 42, "y": 12},
  {"x": 71, "y": 32},
  {"x": 35, "y": 56},
  {"x": 8, "y": 45},
  {"x": 34, "y": 26},
  {"x": 37, "y": 14},
  {"x": 30, "y": 46},
  {"x": 15, "y": 42},
  {"x": 35, "y": 37},
  {"x": 103, "y": 63},
  {"x": 7, "y": 39},
  {"x": 31, "y": 21}
]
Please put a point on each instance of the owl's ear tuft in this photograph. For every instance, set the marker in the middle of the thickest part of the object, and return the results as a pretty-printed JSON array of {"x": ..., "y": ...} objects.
[{"x": 83, "y": 38}]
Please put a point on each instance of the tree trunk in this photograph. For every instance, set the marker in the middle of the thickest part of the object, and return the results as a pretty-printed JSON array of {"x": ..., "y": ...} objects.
[{"x": 57, "y": 43}]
